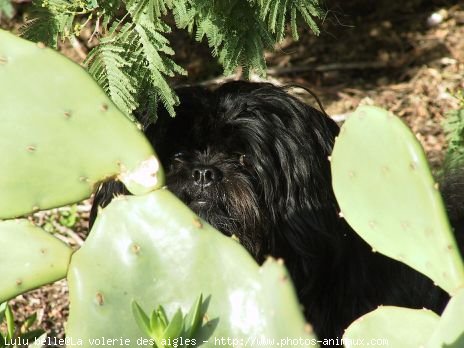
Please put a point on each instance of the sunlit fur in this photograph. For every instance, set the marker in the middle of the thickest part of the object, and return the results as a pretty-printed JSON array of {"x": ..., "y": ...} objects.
[{"x": 268, "y": 155}]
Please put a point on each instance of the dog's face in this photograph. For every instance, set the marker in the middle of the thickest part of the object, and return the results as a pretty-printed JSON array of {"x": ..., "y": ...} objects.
[{"x": 243, "y": 158}]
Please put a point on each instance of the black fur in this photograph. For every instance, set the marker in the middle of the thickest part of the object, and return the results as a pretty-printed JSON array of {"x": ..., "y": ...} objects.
[{"x": 253, "y": 161}]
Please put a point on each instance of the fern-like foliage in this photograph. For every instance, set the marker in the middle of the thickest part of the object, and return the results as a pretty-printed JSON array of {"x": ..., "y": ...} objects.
[
  {"x": 276, "y": 13},
  {"x": 134, "y": 57},
  {"x": 239, "y": 31},
  {"x": 52, "y": 19},
  {"x": 234, "y": 31},
  {"x": 108, "y": 64},
  {"x": 454, "y": 130}
]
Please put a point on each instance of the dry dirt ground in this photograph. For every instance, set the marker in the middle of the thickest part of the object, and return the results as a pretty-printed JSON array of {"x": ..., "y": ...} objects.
[{"x": 407, "y": 57}]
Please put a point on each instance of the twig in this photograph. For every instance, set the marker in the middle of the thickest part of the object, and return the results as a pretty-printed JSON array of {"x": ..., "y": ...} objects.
[
  {"x": 329, "y": 67},
  {"x": 78, "y": 48},
  {"x": 235, "y": 77},
  {"x": 96, "y": 31},
  {"x": 218, "y": 80},
  {"x": 299, "y": 69},
  {"x": 81, "y": 208},
  {"x": 67, "y": 231},
  {"x": 340, "y": 117}
]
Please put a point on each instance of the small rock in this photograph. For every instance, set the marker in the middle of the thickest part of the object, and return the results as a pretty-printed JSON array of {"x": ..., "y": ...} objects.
[{"x": 437, "y": 18}]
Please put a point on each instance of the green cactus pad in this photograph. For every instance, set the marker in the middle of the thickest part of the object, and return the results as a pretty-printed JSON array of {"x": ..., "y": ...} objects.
[
  {"x": 60, "y": 135},
  {"x": 30, "y": 257},
  {"x": 387, "y": 194},
  {"x": 459, "y": 343},
  {"x": 153, "y": 250},
  {"x": 450, "y": 329},
  {"x": 392, "y": 327}
]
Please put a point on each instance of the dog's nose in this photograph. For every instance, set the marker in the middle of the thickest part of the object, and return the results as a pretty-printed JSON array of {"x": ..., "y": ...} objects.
[{"x": 206, "y": 175}]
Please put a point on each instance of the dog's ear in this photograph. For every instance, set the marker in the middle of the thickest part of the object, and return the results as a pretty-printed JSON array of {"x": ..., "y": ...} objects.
[{"x": 290, "y": 143}]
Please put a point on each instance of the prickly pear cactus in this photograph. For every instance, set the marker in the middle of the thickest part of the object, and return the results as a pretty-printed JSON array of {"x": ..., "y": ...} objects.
[
  {"x": 398, "y": 327},
  {"x": 387, "y": 194},
  {"x": 153, "y": 250},
  {"x": 450, "y": 330},
  {"x": 410, "y": 328},
  {"x": 30, "y": 257},
  {"x": 60, "y": 135}
]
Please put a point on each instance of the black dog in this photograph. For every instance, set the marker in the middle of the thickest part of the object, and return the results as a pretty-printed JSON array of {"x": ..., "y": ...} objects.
[{"x": 253, "y": 161}]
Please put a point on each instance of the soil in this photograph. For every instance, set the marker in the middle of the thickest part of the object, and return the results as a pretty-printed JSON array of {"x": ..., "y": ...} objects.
[{"x": 407, "y": 57}]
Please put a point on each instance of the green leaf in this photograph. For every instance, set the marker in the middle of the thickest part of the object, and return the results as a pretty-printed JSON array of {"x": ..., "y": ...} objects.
[
  {"x": 107, "y": 65},
  {"x": 453, "y": 126},
  {"x": 2, "y": 311},
  {"x": 141, "y": 318},
  {"x": 32, "y": 335},
  {"x": 235, "y": 33},
  {"x": 10, "y": 325},
  {"x": 157, "y": 325},
  {"x": 42, "y": 27},
  {"x": 294, "y": 24},
  {"x": 175, "y": 326},
  {"x": 161, "y": 313},
  {"x": 69, "y": 218},
  {"x": 38, "y": 341},
  {"x": 30, "y": 320},
  {"x": 193, "y": 318}
]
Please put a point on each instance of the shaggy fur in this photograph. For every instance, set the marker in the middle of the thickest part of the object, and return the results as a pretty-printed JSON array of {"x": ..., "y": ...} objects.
[{"x": 253, "y": 161}]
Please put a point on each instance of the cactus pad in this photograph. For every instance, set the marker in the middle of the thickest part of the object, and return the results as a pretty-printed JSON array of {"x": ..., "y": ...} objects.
[
  {"x": 387, "y": 194},
  {"x": 411, "y": 328},
  {"x": 450, "y": 329},
  {"x": 60, "y": 135},
  {"x": 30, "y": 258},
  {"x": 153, "y": 250},
  {"x": 399, "y": 327}
]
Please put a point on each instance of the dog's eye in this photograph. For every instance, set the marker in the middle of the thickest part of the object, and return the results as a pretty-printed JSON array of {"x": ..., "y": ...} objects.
[
  {"x": 243, "y": 160},
  {"x": 179, "y": 155}
]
